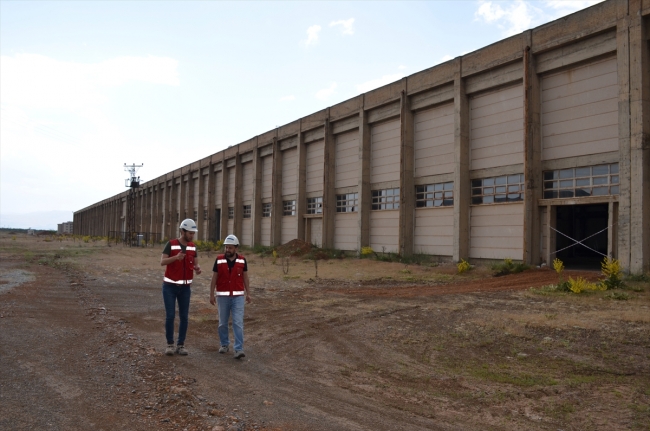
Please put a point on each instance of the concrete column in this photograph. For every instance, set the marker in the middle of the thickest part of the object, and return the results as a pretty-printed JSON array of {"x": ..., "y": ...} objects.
[
  {"x": 625, "y": 197},
  {"x": 532, "y": 157},
  {"x": 189, "y": 201},
  {"x": 276, "y": 193},
  {"x": 224, "y": 199},
  {"x": 551, "y": 222},
  {"x": 329, "y": 184},
  {"x": 174, "y": 210},
  {"x": 239, "y": 202},
  {"x": 462, "y": 189},
  {"x": 211, "y": 223},
  {"x": 256, "y": 205},
  {"x": 301, "y": 186},
  {"x": 639, "y": 140},
  {"x": 365, "y": 193},
  {"x": 406, "y": 183},
  {"x": 611, "y": 232}
]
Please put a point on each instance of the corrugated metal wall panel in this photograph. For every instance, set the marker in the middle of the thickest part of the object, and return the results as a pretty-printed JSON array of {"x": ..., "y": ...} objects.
[
  {"x": 231, "y": 186},
  {"x": 289, "y": 228},
  {"x": 314, "y": 166},
  {"x": 384, "y": 154},
  {"x": 384, "y": 231},
  {"x": 266, "y": 231},
  {"x": 434, "y": 231},
  {"x": 580, "y": 111},
  {"x": 497, "y": 128},
  {"x": 289, "y": 171},
  {"x": 316, "y": 231},
  {"x": 434, "y": 141},
  {"x": 267, "y": 176},
  {"x": 347, "y": 159},
  {"x": 345, "y": 231},
  {"x": 497, "y": 231},
  {"x": 247, "y": 231}
]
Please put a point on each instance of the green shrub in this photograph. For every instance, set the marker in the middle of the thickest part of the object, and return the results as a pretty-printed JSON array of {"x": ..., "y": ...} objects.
[
  {"x": 508, "y": 267},
  {"x": 463, "y": 266}
]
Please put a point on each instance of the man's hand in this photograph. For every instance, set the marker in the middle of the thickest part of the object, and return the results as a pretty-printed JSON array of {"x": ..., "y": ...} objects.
[
  {"x": 197, "y": 269},
  {"x": 248, "y": 299},
  {"x": 213, "y": 300},
  {"x": 180, "y": 256}
]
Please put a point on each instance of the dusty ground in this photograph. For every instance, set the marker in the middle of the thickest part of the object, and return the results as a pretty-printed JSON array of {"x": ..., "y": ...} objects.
[{"x": 363, "y": 346}]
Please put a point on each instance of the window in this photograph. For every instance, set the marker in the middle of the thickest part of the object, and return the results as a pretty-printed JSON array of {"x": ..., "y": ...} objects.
[
  {"x": 266, "y": 209},
  {"x": 205, "y": 214},
  {"x": 231, "y": 213},
  {"x": 598, "y": 180},
  {"x": 247, "y": 211},
  {"x": 347, "y": 203},
  {"x": 434, "y": 195},
  {"x": 496, "y": 190},
  {"x": 289, "y": 208},
  {"x": 178, "y": 216},
  {"x": 196, "y": 215},
  {"x": 315, "y": 205},
  {"x": 387, "y": 199}
]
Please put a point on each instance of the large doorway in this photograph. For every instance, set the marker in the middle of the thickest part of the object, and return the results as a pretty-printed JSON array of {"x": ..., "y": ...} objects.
[{"x": 580, "y": 222}]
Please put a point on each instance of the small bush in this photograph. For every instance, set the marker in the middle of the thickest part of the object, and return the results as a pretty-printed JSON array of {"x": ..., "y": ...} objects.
[
  {"x": 508, "y": 267},
  {"x": 618, "y": 296},
  {"x": 580, "y": 285},
  {"x": 611, "y": 269},
  {"x": 644, "y": 278},
  {"x": 463, "y": 266},
  {"x": 367, "y": 251}
]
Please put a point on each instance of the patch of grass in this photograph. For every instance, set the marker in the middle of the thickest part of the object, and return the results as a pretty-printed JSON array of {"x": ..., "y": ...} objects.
[
  {"x": 508, "y": 267},
  {"x": 618, "y": 296},
  {"x": 644, "y": 278}
]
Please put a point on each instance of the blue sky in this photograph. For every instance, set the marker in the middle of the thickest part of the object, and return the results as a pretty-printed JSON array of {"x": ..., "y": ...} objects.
[{"x": 88, "y": 86}]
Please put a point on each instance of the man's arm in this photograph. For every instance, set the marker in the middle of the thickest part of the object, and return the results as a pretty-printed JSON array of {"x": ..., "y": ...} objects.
[
  {"x": 213, "y": 286},
  {"x": 247, "y": 287},
  {"x": 197, "y": 267},
  {"x": 166, "y": 260}
]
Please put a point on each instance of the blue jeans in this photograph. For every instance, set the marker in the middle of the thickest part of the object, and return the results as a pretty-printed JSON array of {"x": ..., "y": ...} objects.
[
  {"x": 234, "y": 305},
  {"x": 171, "y": 294}
]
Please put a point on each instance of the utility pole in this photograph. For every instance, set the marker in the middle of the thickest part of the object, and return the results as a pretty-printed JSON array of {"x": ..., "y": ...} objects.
[{"x": 133, "y": 182}]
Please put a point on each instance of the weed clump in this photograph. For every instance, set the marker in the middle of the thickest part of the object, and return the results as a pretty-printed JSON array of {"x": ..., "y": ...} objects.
[
  {"x": 463, "y": 266},
  {"x": 508, "y": 267}
]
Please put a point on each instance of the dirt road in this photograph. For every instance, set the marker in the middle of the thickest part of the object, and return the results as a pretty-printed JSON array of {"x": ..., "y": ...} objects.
[{"x": 364, "y": 346}]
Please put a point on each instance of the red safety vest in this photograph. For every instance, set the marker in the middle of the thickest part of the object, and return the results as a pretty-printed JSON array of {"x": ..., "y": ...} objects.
[
  {"x": 230, "y": 283},
  {"x": 181, "y": 271}
]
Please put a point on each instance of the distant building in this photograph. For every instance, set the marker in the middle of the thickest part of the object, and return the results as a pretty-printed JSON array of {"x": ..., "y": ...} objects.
[
  {"x": 64, "y": 228},
  {"x": 30, "y": 231}
]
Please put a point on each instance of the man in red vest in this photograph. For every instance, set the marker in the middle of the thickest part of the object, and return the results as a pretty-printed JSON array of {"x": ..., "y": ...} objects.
[
  {"x": 180, "y": 258},
  {"x": 230, "y": 282}
]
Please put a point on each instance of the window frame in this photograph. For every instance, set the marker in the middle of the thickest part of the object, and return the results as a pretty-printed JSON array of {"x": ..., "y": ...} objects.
[
  {"x": 347, "y": 203},
  {"x": 486, "y": 191},
  {"x": 435, "y": 195},
  {"x": 385, "y": 199},
  {"x": 289, "y": 208}
]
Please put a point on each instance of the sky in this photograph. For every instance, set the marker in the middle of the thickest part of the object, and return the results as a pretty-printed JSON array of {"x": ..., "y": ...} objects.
[{"x": 86, "y": 87}]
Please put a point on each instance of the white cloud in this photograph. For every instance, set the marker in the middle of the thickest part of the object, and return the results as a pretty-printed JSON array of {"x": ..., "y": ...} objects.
[
  {"x": 346, "y": 25},
  {"x": 325, "y": 93},
  {"x": 513, "y": 17},
  {"x": 37, "y": 81},
  {"x": 287, "y": 98},
  {"x": 312, "y": 34},
  {"x": 401, "y": 67},
  {"x": 376, "y": 83}
]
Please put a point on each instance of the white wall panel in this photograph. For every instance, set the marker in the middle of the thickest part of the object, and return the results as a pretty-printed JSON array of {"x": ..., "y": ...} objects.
[
  {"x": 247, "y": 183},
  {"x": 267, "y": 176},
  {"x": 266, "y": 231},
  {"x": 289, "y": 171},
  {"x": 347, "y": 159},
  {"x": 384, "y": 153},
  {"x": 314, "y": 166},
  {"x": 384, "y": 230},
  {"x": 434, "y": 231},
  {"x": 580, "y": 111},
  {"x": 497, "y": 231},
  {"x": 289, "y": 228},
  {"x": 345, "y": 231},
  {"x": 230, "y": 226},
  {"x": 247, "y": 231},
  {"x": 316, "y": 231},
  {"x": 434, "y": 141},
  {"x": 497, "y": 128}
]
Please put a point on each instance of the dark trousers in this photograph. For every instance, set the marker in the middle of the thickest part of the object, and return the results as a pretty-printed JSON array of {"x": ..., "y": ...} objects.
[{"x": 171, "y": 294}]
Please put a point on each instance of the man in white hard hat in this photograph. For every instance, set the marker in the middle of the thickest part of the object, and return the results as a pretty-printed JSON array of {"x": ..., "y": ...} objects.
[
  {"x": 180, "y": 258},
  {"x": 231, "y": 285}
]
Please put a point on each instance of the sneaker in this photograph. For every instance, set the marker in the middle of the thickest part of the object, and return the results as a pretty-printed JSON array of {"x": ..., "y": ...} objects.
[
  {"x": 180, "y": 350},
  {"x": 239, "y": 354},
  {"x": 223, "y": 349},
  {"x": 169, "y": 351}
]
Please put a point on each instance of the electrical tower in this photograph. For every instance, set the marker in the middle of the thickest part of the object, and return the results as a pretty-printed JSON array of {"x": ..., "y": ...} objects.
[{"x": 133, "y": 182}]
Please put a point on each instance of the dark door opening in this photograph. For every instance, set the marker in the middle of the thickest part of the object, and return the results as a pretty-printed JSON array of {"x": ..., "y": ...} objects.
[
  {"x": 217, "y": 225},
  {"x": 580, "y": 222}
]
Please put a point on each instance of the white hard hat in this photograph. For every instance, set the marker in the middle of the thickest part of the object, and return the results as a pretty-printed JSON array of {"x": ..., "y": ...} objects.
[
  {"x": 189, "y": 225},
  {"x": 231, "y": 240}
]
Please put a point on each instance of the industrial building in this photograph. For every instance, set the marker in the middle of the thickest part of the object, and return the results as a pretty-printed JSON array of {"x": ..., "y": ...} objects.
[
  {"x": 517, "y": 150},
  {"x": 65, "y": 228}
]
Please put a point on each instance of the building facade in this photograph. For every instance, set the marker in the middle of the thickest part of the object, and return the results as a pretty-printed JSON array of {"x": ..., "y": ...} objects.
[
  {"x": 65, "y": 228},
  {"x": 517, "y": 150}
]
